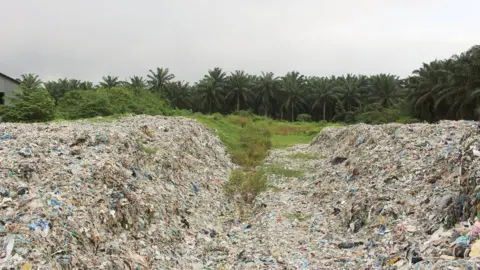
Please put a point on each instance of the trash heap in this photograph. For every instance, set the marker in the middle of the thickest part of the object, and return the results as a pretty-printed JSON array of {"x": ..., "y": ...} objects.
[
  {"x": 373, "y": 197},
  {"x": 142, "y": 192}
]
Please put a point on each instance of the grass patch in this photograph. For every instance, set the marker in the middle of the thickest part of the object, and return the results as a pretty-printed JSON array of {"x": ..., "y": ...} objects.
[
  {"x": 247, "y": 184},
  {"x": 277, "y": 170},
  {"x": 246, "y": 140},
  {"x": 303, "y": 156},
  {"x": 289, "y": 134}
]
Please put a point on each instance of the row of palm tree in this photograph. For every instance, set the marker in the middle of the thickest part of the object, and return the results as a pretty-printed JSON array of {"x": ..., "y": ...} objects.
[
  {"x": 447, "y": 89},
  {"x": 442, "y": 89}
]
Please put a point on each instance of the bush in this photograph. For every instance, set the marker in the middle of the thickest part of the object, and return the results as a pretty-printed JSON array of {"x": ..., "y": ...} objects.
[
  {"x": 304, "y": 117},
  {"x": 181, "y": 112},
  {"x": 378, "y": 115},
  {"x": 247, "y": 184},
  {"x": 104, "y": 102},
  {"x": 243, "y": 113},
  {"x": 29, "y": 106},
  {"x": 217, "y": 116}
]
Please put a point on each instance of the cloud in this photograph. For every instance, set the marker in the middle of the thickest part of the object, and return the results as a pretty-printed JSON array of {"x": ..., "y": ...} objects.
[{"x": 90, "y": 39}]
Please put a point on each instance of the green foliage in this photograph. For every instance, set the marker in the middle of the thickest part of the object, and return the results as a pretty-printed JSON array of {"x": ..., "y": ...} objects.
[
  {"x": 239, "y": 120},
  {"x": 243, "y": 113},
  {"x": 376, "y": 114},
  {"x": 247, "y": 184},
  {"x": 181, "y": 112},
  {"x": 254, "y": 145},
  {"x": 30, "y": 105},
  {"x": 103, "y": 102},
  {"x": 304, "y": 117},
  {"x": 217, "y": 116}
]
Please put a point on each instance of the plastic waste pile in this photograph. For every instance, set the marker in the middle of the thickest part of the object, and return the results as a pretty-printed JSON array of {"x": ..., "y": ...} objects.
[
  {"x": 138, "y": 193},
  {"x": 374, "y": 197},
  {"x": 146, "y": 193}
]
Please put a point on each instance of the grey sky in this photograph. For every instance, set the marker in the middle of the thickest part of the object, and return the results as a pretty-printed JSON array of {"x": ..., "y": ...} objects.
[{"x": 91, "y": 38}]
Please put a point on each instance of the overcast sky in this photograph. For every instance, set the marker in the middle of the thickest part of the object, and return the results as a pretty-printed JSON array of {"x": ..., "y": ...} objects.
[{"x": 91, "y": 38}]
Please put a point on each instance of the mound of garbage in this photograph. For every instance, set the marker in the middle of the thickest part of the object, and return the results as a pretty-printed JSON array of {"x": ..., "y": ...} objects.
[
  {"x": 146, "y": 192},
  {"x": 142, "y": 192},
  {"x": 370, "y": 197}
]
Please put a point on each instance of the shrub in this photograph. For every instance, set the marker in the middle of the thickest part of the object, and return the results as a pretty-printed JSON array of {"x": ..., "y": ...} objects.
[
  {"x": 217, "y": 116},
  {"x": 247, "y": 184},
  {"x": 304, "y": 117},
  {"x": 105, "y": 102},
  {"x": 84, "y": 104},
  {"x": 29, "y": 106},
  {"x": 255, "y": 141}
]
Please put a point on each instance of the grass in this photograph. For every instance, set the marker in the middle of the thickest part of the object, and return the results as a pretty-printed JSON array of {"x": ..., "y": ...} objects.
[
  {"x": 277, "y": 170},
  {"x": 284, "y": 134},
  {"x": 303, "y": 156},
  {"x": 248, "y": 184}
]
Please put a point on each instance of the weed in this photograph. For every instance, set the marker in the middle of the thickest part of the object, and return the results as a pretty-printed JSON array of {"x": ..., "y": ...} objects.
[
  {"x": 151, "y": 151},
  {"x": 247, "y": 184}
]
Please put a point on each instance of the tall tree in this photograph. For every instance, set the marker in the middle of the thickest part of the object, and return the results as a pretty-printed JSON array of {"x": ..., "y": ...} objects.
[
  {"x": 86, "y": 85},
  {"x": 158, "y": 80},
  {"x": 384, "y": 89},
  {"x": 30, "y": 82},
  {"x": 137, "y": 84},
  {"x": 239, "y": 88},
  {"x": 211, "y": 89},
  {"x": 323, "y": 93},
  {"x": 110, "y": 82},
  {"x": 267, "y": 87},
  {"x": 351, "y": 88},
  {"x": 292, "y": 85},
  {"x": 179, "y": 95}
]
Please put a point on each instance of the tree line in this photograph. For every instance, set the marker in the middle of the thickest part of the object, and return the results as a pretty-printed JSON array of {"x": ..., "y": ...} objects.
[{"x": 441, "y": 89}]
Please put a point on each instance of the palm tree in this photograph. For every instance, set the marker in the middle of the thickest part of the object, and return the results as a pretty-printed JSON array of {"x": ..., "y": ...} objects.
[
  {"x": 137, "y": 84},
  {"x": 384, "y": 89},
  {"x": 239, "y": 88},
  {"x": 323, "y": 93},
  {"x": 110, "y": 82},
  {"x": 75, "y": 84},
  {"x": 86, "y": 85},
  {"x": 30, "y": 82},
  {"x": 210, "y": 94},
  {"x": 211, "y": 89},
  {"x": 293, "y": 85},
  {"x": 267, "y": 87},
  {"x": 462, "y": 96},
  {"x": 180, "y": 95},
  {"x": 157, "y": 81},
  {"x": 425, "y": 85},
  {"x": 351, "y": 89}
]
